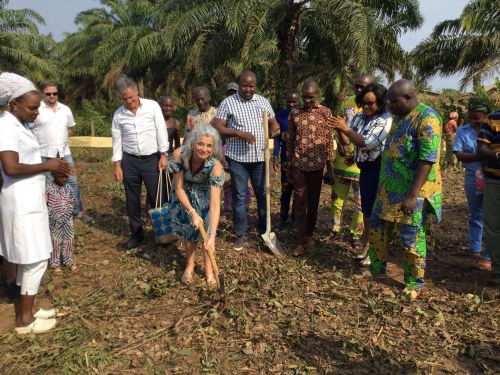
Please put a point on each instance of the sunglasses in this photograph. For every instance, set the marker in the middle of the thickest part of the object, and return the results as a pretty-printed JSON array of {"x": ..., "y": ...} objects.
[{"x": 51, "y": 94}]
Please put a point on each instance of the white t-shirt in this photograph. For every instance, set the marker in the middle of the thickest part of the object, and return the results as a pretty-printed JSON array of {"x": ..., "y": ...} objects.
[{"x": 51, "y": 130}]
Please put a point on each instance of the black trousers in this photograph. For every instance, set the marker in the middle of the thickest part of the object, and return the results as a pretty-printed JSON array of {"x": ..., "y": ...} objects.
[{"x": 136, "y": 171}]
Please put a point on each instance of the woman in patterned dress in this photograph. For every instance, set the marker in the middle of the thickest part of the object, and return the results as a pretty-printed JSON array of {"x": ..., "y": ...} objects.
[{"x": 198, "y": 180}]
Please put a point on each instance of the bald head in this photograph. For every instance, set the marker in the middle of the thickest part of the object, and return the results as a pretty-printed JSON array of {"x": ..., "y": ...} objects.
[
  {"x": 310, "y": 92},
  {"x": 167, "y": 106},
  {"x": 247, "y": 82},
  {"x": 292, "y": 99},
  {"x": 402, "y": 97},
  {"x": 361, "y": 82},
  {"x": 310, "y": 85},
  {"x": 201, "y": 96},
  {"x": 247, "y": 74}
]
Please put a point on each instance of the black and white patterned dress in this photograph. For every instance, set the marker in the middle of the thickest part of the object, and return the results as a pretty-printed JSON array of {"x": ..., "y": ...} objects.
[{"x": 60, "y": 202}]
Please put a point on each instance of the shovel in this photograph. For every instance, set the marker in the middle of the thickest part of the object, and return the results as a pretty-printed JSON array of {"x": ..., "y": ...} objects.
[
  {"x": 218, "y": 278},
  {"x": 269, "y": 237}
]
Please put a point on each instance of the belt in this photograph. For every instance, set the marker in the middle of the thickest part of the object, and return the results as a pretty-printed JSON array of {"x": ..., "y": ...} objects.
[{"x": 143, "y": 156}]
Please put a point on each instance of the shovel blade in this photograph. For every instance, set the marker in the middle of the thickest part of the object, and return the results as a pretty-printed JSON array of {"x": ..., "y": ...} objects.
[{"x": 272, "y": 243}]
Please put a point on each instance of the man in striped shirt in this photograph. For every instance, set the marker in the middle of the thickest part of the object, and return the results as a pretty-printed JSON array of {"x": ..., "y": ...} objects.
[
  {"x": 488, "y": 150},
  {"x": 239, "y": 120}
]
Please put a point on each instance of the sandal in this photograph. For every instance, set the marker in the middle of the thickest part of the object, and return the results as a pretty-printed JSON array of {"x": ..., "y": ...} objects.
[
  {"x": 57, "y": 271},
  {"x": 298, "y": 251},
  {"x": 73, "y": 268},
  {"x": 211, "y": 281},
  {"x": 412, "y": 294},
  {"x": 187, "y": 277}
]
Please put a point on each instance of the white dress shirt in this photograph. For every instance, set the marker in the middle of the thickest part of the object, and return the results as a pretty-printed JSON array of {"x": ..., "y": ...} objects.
[
  {"x": 51, "y": 129},
  {"x": 141, "y": 134}
]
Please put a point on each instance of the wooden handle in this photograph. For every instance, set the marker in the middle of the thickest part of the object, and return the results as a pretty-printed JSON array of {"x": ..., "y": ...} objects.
[
  {"x": 267, "y": 156},
  {"x": 211, "y": 255}
]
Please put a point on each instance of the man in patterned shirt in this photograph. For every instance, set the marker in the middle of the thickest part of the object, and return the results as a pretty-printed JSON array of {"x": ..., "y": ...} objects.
[
  {"x": 409, "y": 186},
  {"x": 203, "y": 113},
  {"x": 488, "y": 150},
  {"x": 239, "y": 119},
  {"x": 309, "y": 147}
]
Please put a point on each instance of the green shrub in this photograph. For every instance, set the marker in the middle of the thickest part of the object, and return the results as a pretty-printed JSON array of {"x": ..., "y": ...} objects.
[{"x": 91, "y": 122}]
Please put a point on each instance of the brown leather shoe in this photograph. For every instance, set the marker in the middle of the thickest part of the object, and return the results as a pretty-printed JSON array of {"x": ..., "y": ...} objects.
[{"x": 298, "y": 251}]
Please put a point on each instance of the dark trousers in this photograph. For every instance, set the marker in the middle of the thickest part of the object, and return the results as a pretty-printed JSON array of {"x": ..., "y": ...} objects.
[
  {"x": 306, "y": 192},
  {"x": 368, "y": 184},
  {"x": 240, "y": 173},
  {"x": 135, "y": 171},
  {"x": 286, "y": 195}
]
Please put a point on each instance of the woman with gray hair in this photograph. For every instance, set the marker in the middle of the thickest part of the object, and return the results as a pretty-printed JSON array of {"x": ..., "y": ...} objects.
[
  {"x": 25, "y": 236},
  {"x": 198, "y": 180}
]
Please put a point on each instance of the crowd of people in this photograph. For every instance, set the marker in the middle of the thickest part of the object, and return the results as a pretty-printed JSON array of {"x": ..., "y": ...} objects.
[{"x": 388, "y": 150}]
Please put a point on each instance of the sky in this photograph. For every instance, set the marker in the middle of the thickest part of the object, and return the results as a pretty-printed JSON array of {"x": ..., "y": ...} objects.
[{"x": 59, "y": 16}]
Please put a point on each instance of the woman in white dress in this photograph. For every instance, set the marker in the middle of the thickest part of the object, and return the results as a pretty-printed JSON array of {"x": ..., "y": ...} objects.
[{"x": 25, "y": 237}]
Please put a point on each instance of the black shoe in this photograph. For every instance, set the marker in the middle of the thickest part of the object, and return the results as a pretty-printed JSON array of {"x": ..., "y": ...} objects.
[
  {"x": 133, "y": 243},
  {"x": 281, "y": 224},
  {"x": 12, "y": 290},
  {"x": 494, "y": 281},
  {"x": 239, "y": 243}
]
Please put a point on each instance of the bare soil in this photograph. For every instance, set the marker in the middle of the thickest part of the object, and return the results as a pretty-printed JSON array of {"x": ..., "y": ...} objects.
[{"x": 129, "y": 313}]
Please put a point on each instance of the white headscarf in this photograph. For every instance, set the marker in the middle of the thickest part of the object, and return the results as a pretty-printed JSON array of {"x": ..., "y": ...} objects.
[{"x": 12, "y": 86}]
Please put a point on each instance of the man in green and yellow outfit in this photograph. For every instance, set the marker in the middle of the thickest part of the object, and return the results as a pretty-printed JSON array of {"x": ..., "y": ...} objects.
[
  {"x": 410, "y": 185},
  {"x": 347, "y": 173}
]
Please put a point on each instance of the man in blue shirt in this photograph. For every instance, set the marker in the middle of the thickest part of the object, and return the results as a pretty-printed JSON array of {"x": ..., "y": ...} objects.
[
  {"x": 279, "y": 155},
  {"x": 465, "y": 148}
]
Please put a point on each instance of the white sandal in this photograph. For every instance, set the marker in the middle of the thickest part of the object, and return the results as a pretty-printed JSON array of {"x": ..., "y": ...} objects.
[
  {"x": 45, "y": 313},
  {"x": 37, "y": 326}
]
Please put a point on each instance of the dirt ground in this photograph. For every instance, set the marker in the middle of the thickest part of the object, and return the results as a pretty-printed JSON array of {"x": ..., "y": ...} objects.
[{"x": 129, "y": 314}]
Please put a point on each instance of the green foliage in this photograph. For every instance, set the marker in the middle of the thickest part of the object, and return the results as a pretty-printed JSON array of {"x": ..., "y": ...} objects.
[
  {"x": 22, "y": 49},
  {"x": 469, "y": 44},
  {"x": 90, "y": 121},
  {"x": 480, "y": 92}
]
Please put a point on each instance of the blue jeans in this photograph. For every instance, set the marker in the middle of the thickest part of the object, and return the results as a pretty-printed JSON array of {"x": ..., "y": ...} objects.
[
  {"x": 240, "y": 173},
  {"x": 74, "y": 184},
  {"x": 475, "y": 204}
]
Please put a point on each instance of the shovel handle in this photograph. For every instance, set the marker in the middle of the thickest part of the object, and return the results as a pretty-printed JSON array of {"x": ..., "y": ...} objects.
[{"x": 211, "y": 255}]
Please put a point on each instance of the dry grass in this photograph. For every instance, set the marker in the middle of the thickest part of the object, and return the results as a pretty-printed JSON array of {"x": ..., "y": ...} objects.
[{"x": 129, "y": 313}]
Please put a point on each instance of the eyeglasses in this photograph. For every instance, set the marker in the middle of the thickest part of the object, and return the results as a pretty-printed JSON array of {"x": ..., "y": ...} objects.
[
  {"x": 369, "y": 104},
  {"x": 50, "y": 94}
]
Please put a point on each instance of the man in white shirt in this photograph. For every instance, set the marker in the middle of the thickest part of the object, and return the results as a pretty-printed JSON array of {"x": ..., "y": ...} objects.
[
  {"x": 52, "y": 127},
  {"x": 140, "y": 145}
]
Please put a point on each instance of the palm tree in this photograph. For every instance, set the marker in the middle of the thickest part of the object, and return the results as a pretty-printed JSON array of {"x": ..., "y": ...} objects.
[
  {"x": 287, "y": 40},
  {"x": 123, "y": 37},
  {"x": 469, "y": 44},
  {"x": 22, "y": 48}
]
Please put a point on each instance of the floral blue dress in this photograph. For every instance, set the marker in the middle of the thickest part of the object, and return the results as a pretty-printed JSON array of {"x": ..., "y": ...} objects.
[{"x": 197, "y": 188}]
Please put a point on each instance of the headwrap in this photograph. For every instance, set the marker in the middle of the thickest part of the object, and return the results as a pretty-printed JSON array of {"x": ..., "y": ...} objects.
[
  {"x": 454, "y": 115},
  {"x": 13, "y": 86},
  {"x": 479, "y": 105}
]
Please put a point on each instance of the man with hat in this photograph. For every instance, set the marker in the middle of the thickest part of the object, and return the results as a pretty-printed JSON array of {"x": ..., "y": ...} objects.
[
  {"x": 465, "y": 148},
  {"x": 231, "y": 88}
]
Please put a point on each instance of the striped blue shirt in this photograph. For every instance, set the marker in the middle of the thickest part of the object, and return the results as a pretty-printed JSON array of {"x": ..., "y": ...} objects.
[{"x": 245, "y": 115}]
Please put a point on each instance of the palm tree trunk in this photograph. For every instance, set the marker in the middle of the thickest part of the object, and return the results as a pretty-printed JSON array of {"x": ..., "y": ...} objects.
[{"x": 140, "y": 86}]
